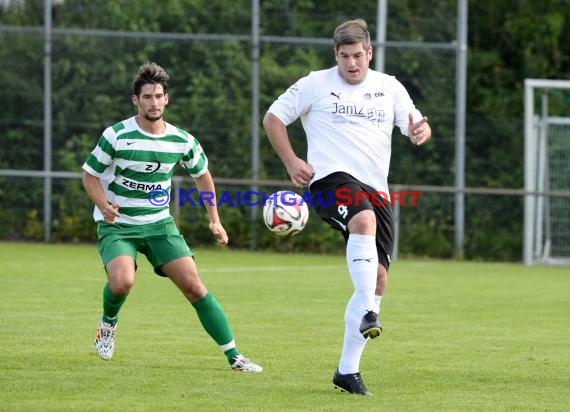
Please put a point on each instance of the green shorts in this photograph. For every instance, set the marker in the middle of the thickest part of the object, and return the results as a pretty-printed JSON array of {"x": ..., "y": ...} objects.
[{"x": 160, "y": 242}]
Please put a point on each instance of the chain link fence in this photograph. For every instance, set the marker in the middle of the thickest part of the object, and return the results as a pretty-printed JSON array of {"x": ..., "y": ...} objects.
[{"x": 211, "y": 96}]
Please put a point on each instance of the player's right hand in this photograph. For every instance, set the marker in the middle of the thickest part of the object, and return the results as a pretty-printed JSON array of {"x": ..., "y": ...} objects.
[{"x": 300, "y": 172}]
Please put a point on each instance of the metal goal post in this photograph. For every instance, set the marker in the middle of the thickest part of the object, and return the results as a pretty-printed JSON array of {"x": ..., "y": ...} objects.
[{"x": 546, "y": 172}]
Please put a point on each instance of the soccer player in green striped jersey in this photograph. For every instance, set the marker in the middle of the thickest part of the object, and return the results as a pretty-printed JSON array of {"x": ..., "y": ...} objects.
[{"x": 128, "y": 176}]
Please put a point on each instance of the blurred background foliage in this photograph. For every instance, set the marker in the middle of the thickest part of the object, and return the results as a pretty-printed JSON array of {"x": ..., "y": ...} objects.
[{"x": 98, "y": 46}]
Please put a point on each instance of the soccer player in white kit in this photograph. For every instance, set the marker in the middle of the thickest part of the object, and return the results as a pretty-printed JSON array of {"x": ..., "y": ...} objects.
[{"x": 348, "y": 113}]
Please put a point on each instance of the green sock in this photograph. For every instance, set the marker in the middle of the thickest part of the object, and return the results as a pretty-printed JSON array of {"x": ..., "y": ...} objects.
[
  {"x": 111, "y": 305},
  {"x": 216, "y": 324}
]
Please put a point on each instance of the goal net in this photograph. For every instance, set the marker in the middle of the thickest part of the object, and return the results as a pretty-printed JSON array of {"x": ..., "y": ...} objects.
[{"x": 547, "y": 172}]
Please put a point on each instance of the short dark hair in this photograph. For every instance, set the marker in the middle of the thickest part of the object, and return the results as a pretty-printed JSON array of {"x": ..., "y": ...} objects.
[
  {"x": 351, "y": 32},
  {"x": 149, "y": 73}
]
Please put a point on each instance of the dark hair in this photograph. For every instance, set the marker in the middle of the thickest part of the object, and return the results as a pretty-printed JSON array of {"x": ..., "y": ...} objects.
[
  {"x": 351, "y": 32},
  {"x": 149, "y": 73}
]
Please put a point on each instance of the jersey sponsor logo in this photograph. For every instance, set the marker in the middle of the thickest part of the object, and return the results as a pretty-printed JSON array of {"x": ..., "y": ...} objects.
[
  {"x": 349, "y": 113},
  {"x": 146, "y": 187},
  {"x": 151, "y": 167},
  {"x": 350, "y": 109},
  {"x": 130, "y": 143},
  {"x": 379, "y": 94},
  {"x": 362, "y": 260},
  {"x": 336, "y": 95}
]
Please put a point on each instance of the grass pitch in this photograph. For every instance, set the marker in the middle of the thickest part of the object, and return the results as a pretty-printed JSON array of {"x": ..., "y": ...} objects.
[{"x": 458, "y": 336}]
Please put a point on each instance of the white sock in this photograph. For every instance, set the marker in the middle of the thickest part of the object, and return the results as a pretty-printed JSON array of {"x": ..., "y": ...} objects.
[
  {"x": 362, "y": 260},
  {"x": 354, "y": 343},
  {"x": 377, "y": 301}
]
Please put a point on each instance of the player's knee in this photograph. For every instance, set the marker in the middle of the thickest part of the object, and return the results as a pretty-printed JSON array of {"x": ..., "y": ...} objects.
[
  {"x": 195, "y": 292},
  {"x": 364, "y": 223},
  {"x": 120, "y": 288},
  {"x": 121, "y": 282}
]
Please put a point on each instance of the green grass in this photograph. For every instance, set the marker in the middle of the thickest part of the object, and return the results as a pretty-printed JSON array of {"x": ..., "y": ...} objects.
[{"x": 458, "y": 336}]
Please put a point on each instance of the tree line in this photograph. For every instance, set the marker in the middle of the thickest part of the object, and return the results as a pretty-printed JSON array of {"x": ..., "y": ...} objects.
[{"x": 211, "y": 97}]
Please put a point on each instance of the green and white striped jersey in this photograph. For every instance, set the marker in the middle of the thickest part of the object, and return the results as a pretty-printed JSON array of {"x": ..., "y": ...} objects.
[{"x": 132, "y": 163}]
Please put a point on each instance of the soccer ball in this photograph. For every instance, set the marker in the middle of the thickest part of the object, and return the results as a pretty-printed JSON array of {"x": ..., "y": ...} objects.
[{"x": 285, "y": 213}]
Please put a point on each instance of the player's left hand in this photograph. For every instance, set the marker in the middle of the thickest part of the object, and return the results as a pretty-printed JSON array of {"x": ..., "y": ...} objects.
[
  {"x": 219, "y": 231},
  {"x": 419, "y": 132}
]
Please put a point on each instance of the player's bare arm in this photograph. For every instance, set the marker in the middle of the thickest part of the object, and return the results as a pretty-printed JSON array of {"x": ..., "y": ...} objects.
[
  {"x": 94, "y": 190},
  {"x": 299, "y": 171},
  {"x": 418, "y": 132},
  {"x": 205, "y": 184}
]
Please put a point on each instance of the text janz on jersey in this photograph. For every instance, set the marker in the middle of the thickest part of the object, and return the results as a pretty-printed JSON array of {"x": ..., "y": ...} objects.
[{"x": 350, "y": 109}]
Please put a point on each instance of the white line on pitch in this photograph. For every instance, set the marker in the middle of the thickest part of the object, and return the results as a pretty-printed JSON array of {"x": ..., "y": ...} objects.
[{"x": 272, "y": 268}]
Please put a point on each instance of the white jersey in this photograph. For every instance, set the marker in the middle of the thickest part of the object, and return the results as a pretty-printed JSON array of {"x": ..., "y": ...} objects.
[{"x": 349, "y": 127}]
